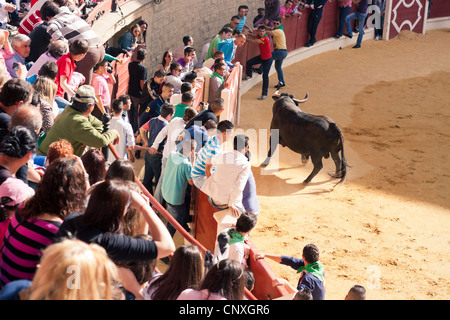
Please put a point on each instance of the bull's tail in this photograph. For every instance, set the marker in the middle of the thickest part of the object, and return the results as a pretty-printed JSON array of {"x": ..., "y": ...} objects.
[{"x": 342, "y": 172}]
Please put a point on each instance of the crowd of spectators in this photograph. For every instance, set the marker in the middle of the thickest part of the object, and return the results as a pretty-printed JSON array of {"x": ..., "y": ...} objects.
[{"x": 65, "y": 196}]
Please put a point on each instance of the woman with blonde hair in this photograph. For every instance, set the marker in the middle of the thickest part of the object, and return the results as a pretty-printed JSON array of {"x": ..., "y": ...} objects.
[
  {"x": 46, "y": 88},
  {"x": 74, "y": 270}
]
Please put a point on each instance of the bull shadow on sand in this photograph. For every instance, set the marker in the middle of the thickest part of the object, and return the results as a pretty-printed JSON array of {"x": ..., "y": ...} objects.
[{"x": 289, "y": 181}]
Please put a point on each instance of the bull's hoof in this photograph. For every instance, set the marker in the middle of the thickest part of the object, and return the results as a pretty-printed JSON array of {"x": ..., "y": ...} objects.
[{"x": 305, "y": 182}]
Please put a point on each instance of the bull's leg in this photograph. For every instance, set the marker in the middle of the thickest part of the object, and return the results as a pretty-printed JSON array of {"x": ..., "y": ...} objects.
[
  {"x": 338, "y": 164},
  {"x": 317, "y": 162},
  {"x": 305, "y": 158},
  {"x": 272, "y": 148}
]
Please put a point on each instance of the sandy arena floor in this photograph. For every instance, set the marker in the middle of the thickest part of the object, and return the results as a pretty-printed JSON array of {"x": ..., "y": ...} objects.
[{"x": 387, "y": 226}]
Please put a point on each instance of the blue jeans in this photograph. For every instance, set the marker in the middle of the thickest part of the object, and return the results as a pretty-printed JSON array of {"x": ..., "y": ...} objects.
[
  {"x": 61, "y": 102},
  {"x": 379, "y": 32},
  {"x": 361, "y": 19},
  {"x": 278, "y": 56},
  {"x": 313, "y": 22},
  {"x": 12, "y": 289},
  {"x": 343, "y": 12},
  {"x": 15, "y": 14},
  {"x": 265, "y": 68},
  {"x": 152, "y": 170},
  {"x": 158, "y": 194},
  {"x": 181, "y": 214},
  {"x": 133, "y": 113}
]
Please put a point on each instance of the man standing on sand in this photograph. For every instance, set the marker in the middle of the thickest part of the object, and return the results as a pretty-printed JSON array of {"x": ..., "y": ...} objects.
[
  {"x": 360, "y": 14},
  {"x": 265, "y": 59},
  {"x": 280, "y": 52}
]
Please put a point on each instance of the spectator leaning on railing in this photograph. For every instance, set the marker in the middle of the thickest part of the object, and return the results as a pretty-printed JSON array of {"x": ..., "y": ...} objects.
[{"x": 78, "y": 126}]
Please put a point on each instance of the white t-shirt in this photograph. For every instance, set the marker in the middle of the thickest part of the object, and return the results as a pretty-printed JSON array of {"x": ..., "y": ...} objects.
[{"x": 126, "y": 138}]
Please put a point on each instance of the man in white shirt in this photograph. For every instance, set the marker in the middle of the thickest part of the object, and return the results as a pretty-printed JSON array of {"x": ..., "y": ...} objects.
[
  {"x": 175, "y": 77},
  {"x": 232, "y": 169},
  {"x": 125, "y": 147}
]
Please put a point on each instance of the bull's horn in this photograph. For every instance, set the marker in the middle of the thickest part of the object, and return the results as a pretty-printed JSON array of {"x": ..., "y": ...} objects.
[{"x": 303, "y": 100}]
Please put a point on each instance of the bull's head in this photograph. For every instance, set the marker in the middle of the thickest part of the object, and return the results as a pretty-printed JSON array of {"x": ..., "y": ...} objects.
[{"x": 278, "y": 95}]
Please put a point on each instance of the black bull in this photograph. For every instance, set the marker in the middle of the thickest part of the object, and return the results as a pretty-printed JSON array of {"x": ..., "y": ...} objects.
[{"x": 310, "y": 135}]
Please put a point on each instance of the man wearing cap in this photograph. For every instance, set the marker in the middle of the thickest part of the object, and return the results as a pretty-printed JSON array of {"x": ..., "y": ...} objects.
[{"x": 78, "y": 126}]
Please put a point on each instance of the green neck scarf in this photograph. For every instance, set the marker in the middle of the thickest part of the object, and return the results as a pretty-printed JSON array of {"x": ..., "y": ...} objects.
[
  {"x": 234, "y": 237},
  {"x": 215, "y": 74},
  {"x": 280, "y": 27},
  {"x": 315, "y": 269}
]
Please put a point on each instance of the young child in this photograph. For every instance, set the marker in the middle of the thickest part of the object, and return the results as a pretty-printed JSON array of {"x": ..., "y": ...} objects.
[
  {"x": 125, "y": 147},
  {"x": 66, "y": 67},
  {"x": 231, "y": 242},
  {"x": 311, "y": 270},
  {"x": 5, "y": 51}
]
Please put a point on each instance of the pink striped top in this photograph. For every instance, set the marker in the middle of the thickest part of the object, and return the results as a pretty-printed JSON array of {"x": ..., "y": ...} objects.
[{"x": 23, "y": 245}]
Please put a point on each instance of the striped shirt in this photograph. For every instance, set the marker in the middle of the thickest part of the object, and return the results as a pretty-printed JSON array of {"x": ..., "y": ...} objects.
[
  {"x": 66, "y": 25},
  {"x": 23, "y": 247},
  {"x": 211, "y": 148}
]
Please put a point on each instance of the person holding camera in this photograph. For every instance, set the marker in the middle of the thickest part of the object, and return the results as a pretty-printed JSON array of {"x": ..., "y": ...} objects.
[{"x": 101, "y": 78}]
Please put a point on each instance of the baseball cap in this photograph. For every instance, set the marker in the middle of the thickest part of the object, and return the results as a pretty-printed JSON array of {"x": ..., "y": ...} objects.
[
  {"x": 14, "y": 191},
  {"x": 85, "y": 94}
]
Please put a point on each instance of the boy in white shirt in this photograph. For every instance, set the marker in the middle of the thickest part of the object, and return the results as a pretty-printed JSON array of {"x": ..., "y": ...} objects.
[
  {"x": 231, "y": 242},
  {"x": 125, "y": 147}
]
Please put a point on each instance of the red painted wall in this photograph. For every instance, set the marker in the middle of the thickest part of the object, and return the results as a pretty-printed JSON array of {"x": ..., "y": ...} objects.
[
  {"x": 439, "y": 9},
  {"x": 401, "y": 14}
]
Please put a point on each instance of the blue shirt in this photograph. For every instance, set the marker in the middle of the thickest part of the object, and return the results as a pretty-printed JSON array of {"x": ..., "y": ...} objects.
[
  {"x": 153, "y": 110},
  {"x": 241, "y": 24},
  {"x": 308, "y": 280},
  {"x": 126, "y": 41},
  {"x": 249, "y": 197},
  {"x": 211, "y": 148},
  {"x": 10, "y": 62},
  {"x": 228, "y": 48},
  {"x": 194, "y": 132}
]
